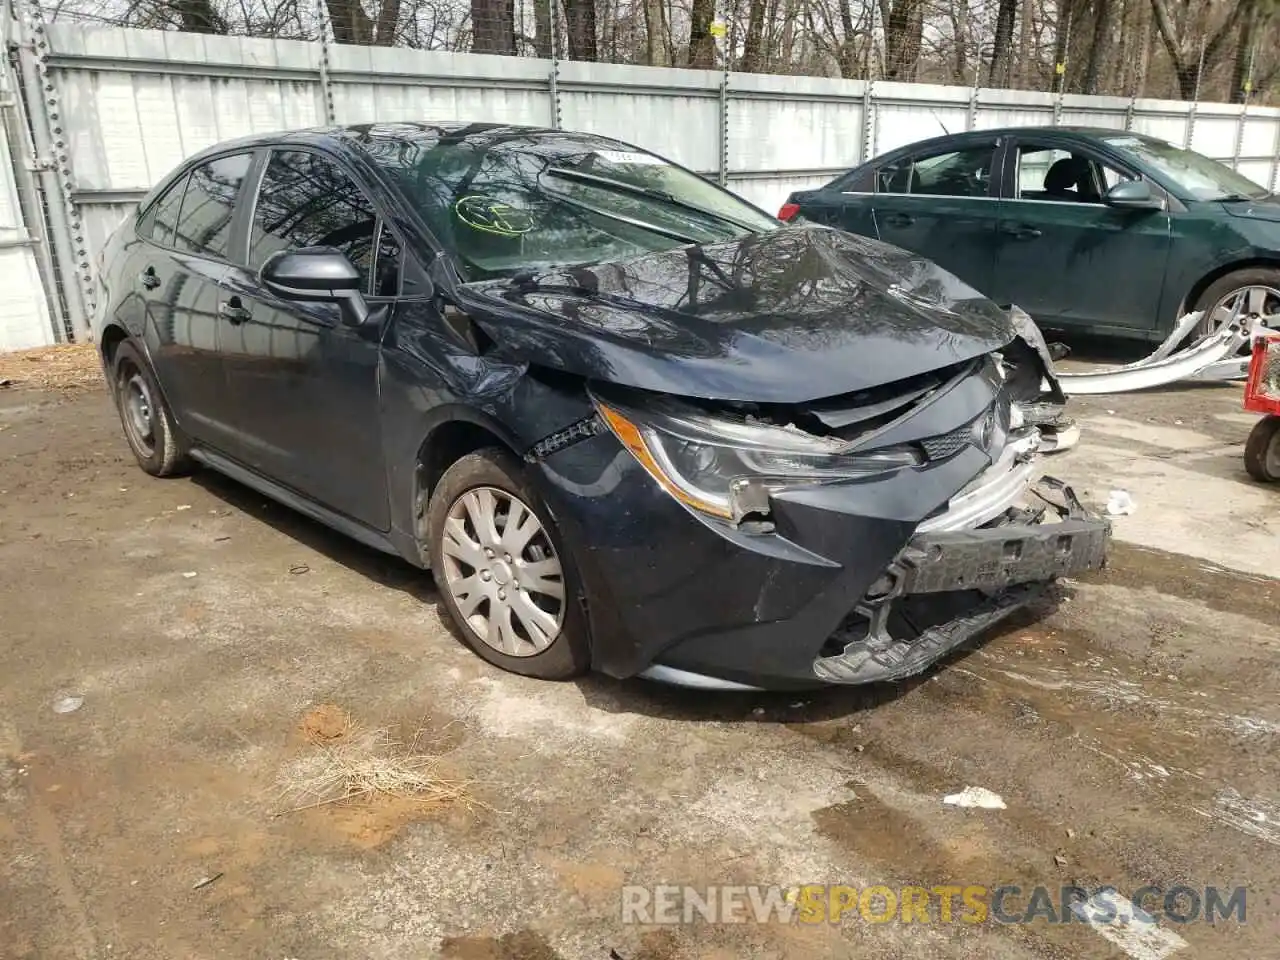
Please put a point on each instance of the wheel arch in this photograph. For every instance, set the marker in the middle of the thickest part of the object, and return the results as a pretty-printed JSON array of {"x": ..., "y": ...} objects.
[
  {"x": 1218, "y": 272},
  {"x": 113, "y": 334}
]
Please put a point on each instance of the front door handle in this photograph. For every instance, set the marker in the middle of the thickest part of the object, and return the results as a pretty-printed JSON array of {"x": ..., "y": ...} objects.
[
  {"x": 148, "y": 278},
  {"x": 899, "y": 219},
  {"x": 233, "y": 311},
  {"x": 1021, "y": 230}
]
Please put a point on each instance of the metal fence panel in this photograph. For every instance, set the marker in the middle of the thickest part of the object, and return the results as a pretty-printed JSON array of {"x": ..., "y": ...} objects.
[{"x": 134, "y": 103}]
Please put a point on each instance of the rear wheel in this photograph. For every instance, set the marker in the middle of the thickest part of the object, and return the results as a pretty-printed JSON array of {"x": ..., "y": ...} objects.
[
  {"x": 503, "y": 571},
  {"x": 149, "y": 427},
  {"x": 1262, "y": 450},
  {"x": 1255, "y": 291}
]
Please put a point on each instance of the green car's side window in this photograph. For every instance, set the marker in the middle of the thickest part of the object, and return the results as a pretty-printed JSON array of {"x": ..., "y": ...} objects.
[{"x": 1066, "y": 176}]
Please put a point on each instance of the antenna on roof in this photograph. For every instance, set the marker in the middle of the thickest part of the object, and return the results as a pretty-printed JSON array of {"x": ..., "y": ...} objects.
[{"x": 940, "y": 123}]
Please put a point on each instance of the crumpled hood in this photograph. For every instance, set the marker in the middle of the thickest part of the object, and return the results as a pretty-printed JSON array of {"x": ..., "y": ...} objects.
[{"x": 788, "y": 316}]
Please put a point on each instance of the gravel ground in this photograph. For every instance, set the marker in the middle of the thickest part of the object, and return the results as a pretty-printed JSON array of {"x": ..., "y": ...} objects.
[{"x": 219, "y": 642}]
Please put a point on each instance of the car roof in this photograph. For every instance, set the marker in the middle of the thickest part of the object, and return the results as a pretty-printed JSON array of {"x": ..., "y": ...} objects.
[
  {"x": 1061, "y": 132},
  {"x": 359, "y": 135}
]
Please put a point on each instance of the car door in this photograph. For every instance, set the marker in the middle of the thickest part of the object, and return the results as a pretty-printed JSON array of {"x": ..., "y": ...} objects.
[
  {"x": 1065, "y": 256},
  {"x": 938, "y": 203},
  {"x": 177, "y": 268},
  {"x": 305, "y": 384}
]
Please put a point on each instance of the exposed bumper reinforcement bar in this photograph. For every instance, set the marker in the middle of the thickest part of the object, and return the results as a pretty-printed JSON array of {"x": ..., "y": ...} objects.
[
  {"x": 1010, "y": 564},
  {"x": 1210, "y": 358}
]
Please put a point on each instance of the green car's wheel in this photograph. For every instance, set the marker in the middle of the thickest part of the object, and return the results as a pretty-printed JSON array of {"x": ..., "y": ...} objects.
[{"x": 1256, "y": 291}]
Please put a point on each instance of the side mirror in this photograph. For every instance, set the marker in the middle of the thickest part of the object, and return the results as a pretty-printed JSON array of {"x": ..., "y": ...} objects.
[
  {"x": 317, "y": 275},
  {"x": 1132, "y": 195}
]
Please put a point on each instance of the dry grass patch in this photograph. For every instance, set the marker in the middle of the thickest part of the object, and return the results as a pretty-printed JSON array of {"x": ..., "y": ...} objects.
[
  {"x": 68, "y": 366},
  {"x": 350, "y": 763}
]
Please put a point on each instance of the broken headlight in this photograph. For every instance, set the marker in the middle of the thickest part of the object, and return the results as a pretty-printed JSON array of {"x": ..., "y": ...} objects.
[{"x": 727, "y": 467}]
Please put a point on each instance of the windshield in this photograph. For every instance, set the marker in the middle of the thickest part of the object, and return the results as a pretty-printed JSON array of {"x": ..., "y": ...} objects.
[
  {"x": 1196, "y": 174},
  {"x": 506, "y": 200}
]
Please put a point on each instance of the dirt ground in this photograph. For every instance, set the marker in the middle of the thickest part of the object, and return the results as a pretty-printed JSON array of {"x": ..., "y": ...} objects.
[{"x": 219, "y": 641}]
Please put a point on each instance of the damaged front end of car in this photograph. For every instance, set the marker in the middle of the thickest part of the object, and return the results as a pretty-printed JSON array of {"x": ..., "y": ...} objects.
[{"x": 925, "y": 491}]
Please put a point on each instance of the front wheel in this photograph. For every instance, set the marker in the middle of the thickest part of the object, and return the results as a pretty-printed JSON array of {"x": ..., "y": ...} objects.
[
  {"x": 503, "y": 571},
  {"x": 1262, "y": 450},
  {"x": 1255, "y": 291}
]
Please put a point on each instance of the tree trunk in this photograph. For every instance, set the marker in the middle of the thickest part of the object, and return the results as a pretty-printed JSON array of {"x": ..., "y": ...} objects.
[
  {"x": 753, "y": 46},
  {"x": 1187, "y": 62},
  {"x": 903, "y": 29},
  {"x": 702, "y": 47},
  {"x": 198, "y": 16},
  {"x": 1066, "y": 11},
  {"x": 1026, "y": 77},
  {"x": 1103, "y": 12},
  {"x": 1241, "y": 65},
  {"x": 848, "y": 50},
  {"x": 580, "y": 18},
  {"x": 655, "y": 30},
  {"x": 542, "y": 37},
  {"x": 959, "y": 11},
  {"x": 384, "y": 34},
  {"x": 351, "y": 24},
  {"x": 1002, "y": 48},
  {"x": 493, "y": 26}
]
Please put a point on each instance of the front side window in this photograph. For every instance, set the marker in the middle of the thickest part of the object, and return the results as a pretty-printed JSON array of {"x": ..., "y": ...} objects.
[
  {"x": 160, "y": 220},
  {"x": 508, "y": 200},
  {"x": 208, "y": 205},
  {"x": 1058, "y": 174},
  {"x": 307, "y": 200},
  {"x": 1194, "y": 173},
  {"x": 953, "y": 173}
]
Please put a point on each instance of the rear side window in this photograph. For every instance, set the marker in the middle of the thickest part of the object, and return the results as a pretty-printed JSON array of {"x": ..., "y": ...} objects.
[
  {"x": 158, "y": 223},
  {"x": 953, "y": 173},
  {"x": 208, "y": 206},
  {"x": 307, "y": 200}
]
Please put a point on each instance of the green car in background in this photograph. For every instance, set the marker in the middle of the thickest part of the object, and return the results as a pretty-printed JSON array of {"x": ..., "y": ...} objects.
[{"x": 1089, "y": 230}]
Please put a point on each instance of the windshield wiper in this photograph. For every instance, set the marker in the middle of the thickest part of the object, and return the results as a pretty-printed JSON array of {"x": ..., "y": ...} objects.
[
  {"x": 1241, "y": 197},
  {"x": 621, "y": 186},
  {"x": 632, "y": 221}
]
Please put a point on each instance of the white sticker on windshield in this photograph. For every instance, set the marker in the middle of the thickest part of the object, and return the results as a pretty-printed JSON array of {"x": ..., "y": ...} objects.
[{"x": 628, "y": 156}]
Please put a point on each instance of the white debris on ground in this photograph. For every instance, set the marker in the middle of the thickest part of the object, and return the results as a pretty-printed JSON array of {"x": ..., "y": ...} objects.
[
  {"x": 1120, "y": 503},
  {"x": 979, "y": 797}
]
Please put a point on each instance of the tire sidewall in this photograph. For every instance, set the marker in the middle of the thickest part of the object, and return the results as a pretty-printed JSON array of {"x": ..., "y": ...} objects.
[
  {"x": 569, "y": 654},
  {"x": 164, "y": 456},
  {"x": 1247, "y": 277}
]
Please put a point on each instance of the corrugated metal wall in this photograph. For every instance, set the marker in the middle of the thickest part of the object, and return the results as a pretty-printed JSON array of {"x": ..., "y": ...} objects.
[{"x": 134, "y": 103}]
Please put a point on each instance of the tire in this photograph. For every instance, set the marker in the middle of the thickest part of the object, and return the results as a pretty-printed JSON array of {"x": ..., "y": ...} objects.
[
  {"x": 154, "y": 438},
  {"x": 1262, "y": 450},
  {"x": 511, "y": 600},
  {"x": 1221, "y": 290}
]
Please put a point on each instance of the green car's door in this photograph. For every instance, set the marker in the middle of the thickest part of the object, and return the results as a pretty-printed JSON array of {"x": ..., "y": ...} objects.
[
  {"x": 1064, "y": 255},
  {"x": 941, "y": 204}
]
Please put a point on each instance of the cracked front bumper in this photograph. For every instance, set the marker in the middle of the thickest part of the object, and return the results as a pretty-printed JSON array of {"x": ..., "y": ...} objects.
[{"x": 975, "y": 579}]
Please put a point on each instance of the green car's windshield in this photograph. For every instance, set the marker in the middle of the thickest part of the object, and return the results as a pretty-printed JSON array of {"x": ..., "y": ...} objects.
[
  {"x": 1202, "y": 178},
  {"x": 506, "y": 200}
]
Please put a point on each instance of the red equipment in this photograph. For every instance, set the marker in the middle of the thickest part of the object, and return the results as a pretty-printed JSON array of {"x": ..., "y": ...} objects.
[{"x": 1262, "y": 395}]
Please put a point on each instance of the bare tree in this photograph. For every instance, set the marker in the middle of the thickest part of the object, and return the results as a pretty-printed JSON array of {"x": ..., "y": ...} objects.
[{"x": 1186, "y": 57}]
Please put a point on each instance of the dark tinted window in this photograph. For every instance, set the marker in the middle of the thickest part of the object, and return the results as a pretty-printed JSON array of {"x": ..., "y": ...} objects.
[
  {"x": 159, "y": 220},
  {"x": 387, "y": 276},
  {"x": 950, "y": 173},
  {"x": 307, "y": 200},
  {"x": 209, "y": 204}
]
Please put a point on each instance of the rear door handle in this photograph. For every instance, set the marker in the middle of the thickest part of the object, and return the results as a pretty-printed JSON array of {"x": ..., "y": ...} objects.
[
  {"x": 899, "y": 219},
  {"x": 1021, "y": 230},
  {"x": 233, "y": 311},
  {"x": 148, "y": 278}
]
